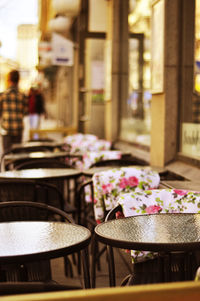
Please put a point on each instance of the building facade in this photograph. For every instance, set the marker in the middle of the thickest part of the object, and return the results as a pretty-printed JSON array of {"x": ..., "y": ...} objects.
[{"x": 135, "y": 77}]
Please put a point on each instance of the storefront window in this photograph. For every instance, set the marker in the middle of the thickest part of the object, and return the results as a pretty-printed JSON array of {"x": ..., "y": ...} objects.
[
  {"x": 136, "y": 121},
  {"x": 94, "y": 86},
  {"x": 197, "y": 48},
  {"x": 190, "y": 126}
]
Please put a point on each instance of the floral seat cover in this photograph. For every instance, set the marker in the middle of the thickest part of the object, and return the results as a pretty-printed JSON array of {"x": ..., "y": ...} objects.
[
  {"x": 86, "y": 142},
  {"x": 92, "y": 148},
  {"x": 92, "y": 157},
  {"x": 108, "y": 184},
  {"x": 157, "y": 201}
]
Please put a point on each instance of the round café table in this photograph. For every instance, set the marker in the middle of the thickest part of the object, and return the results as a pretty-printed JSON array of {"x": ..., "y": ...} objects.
[
  {"x": 35, "y": 155},
  {"x": 167, "y": 234},
  {"x": 26, "y": 241},
  {"x": 31, "y": 145},
  {"x": 17, "y": 158},
  {"x": 41, "y": 173}
]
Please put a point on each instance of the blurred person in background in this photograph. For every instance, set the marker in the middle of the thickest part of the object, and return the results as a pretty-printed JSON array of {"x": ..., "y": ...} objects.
[
  {"x": 13, "y": 108},
  {"x": 36, "y": 107}
]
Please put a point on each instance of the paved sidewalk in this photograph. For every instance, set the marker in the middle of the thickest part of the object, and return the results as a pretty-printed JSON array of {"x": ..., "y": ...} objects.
[{"x": 122, "y": 264}]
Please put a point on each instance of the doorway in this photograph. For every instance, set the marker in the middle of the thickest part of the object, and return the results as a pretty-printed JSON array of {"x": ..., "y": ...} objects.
[{"x": 94, "y": 87}]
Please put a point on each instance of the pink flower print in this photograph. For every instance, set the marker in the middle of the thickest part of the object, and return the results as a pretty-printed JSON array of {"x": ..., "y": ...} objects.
[
  {"x": 133, "y": 181},
  {"x": 180, "y": 192},
  {"x": 95, "y": 201},
  {"x": 85, "y": 156},
  {"x": 123, "y": 183},
  {"x": 107, "y": 188},
  {"x": 119, "y": 214},
  {"x": 153, "y": 209}
]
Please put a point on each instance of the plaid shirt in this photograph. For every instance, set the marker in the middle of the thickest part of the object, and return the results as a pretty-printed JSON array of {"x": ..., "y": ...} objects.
[
  {"x": 196, "y": 110},
  {"x": 13, "y": 107}
]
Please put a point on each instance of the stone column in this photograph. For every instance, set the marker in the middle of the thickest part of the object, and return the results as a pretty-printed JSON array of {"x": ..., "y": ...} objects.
[
  {"x": 116, "y": 65},
  {"x": 164, "y": 115}
]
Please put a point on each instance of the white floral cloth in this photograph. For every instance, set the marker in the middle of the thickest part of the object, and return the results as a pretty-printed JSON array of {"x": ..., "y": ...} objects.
[
  {"x": 108, "y": 184},
  {"x": 158, "y": 201},
  {"x": 90, "y": 158},
  {"x": 92, "y": 149},
  {"x": 86, "y": 142}
]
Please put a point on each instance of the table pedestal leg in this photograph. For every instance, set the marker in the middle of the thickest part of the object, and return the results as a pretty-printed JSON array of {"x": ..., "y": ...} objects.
[{"x": 86, "y": 269}]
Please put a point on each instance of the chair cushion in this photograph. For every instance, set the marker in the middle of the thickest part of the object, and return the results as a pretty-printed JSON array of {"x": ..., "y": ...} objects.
[{"x": 108, "y": 184}]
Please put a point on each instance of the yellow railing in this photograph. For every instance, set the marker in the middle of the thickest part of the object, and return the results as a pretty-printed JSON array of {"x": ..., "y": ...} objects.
[
  {"x": 177, "y": 291},
  {"x": 60, "y": 130}
]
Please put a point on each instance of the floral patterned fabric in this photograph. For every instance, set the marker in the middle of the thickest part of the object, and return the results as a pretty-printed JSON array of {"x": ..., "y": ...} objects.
[
  {"x": 158, "y": 201},
  {"x": 86, "y": 142},
  {"x": 108, "y": 184},
  {"x": 92, "y": 148},
  {"x": 90, "y": 158}
]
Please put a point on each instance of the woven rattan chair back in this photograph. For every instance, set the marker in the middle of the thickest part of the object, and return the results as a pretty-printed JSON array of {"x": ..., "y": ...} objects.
[{"x": 29, "y": 211}]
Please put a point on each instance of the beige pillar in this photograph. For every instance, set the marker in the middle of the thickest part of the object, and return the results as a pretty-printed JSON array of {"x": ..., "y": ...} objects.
[
  {"x": 116, "y": 65},
  {"x": 164, "y": 129}
]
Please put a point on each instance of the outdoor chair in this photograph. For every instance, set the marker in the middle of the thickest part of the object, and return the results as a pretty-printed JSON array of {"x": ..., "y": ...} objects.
[
  {"x": 118, "y": 162},
  {"x": 9, "y": 164},
  {"x": 34, "y": 191},
  {"x": 42, "y": 163},
  {"x": 67, "y": 187},
  {"x": 28, "y": 272},
  {"x": 99, "y": 195}
]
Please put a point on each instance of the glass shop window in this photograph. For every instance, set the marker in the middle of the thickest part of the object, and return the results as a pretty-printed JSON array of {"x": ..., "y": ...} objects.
[
  {"x": 190, "y": 126},
  {"x": 135, "y": 119}
]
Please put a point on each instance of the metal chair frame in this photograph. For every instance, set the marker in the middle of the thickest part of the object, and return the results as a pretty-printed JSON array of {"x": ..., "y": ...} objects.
[
  {"x": 32, "y": 190},
  {"x": 65, "y": 186}
]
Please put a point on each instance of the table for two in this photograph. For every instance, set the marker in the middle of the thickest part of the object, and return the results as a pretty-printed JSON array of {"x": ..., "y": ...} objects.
[
  {"x": 168, "y": 234},
  {"x": 12, "y": 160},
  {"x": 29, "y": 241}
]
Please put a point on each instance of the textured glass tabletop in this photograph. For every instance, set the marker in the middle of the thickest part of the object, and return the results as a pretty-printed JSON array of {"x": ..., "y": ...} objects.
[
  {"x": 40, "y": 173},
  {"x": 36, "y": 239},
  {"x": 156, "y": 232},
  {"x": 38, "y": 143},
  {"x": 36, "y": 155}
]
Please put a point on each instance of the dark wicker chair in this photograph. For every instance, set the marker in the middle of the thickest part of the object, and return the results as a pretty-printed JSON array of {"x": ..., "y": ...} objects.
[
  {"x": 41, "y": 163},
  {"x": 67, "y": 187},
  {"x": 34, "y": 191},
  {"x": 40, "y": 271},
  {"x": 87, "y": 219},
  {"x": 86, "y": 212},
  {"x": 8, "y": 164},
  {"x": 126, "y": 161}
]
